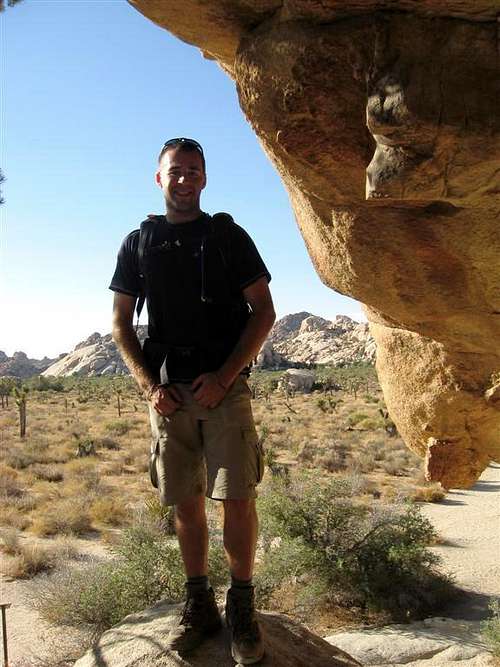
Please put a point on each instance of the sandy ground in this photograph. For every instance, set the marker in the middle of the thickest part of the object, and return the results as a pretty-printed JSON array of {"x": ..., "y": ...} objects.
[
  {"x": 468, "y": 523},
  {"x": 30, "y": 639}
]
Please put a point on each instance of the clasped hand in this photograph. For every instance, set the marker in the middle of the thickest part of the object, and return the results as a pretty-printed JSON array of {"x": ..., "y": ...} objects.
[{"x": 207, "y": 389}]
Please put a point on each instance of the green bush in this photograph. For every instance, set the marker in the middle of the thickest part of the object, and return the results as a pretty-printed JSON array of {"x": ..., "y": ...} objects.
[
  {"x": 118, "y": 427},
  {"x": 147, "y": 567},
  {"x": 491, "y": 628},
  {"x": 356, "y": 417},
  {"x": 374, "y": 559}
]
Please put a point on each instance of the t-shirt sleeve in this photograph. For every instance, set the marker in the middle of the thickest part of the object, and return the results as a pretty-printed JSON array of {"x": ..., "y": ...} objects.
[
  {"x": 126, "y": 276},
  {"x": 247, "y": 264}
]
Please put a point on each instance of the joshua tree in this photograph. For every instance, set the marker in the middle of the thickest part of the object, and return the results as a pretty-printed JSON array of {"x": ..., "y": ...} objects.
[
  {"x": 6, "y": 386},
  {"x": 21, "y": 395},
  {"x": 118, "y": 390}
]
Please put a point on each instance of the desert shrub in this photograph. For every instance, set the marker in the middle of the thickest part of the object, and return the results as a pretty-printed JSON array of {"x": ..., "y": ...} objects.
[
  {"x": 147, "y": 567},
  {"x": 370, "y": 424},
  {"x": 85, "y": 472},
  {"x": 378, "y": 449},
  {"x": 366, "y": 462},
  {"x": 19, "y": 459},
  {"x": 332, "y": 461},
  {"x": 118, "y": 426},
  {"x": 376, "y": 559},
  {"x": 109, "y": 510},
  {"x": 12, "y": 517},
  {"x": 270, "y": 456},
  {"x": 307, "y": 452},
  {"x": 490, "y": 628},
  {"x": 48, "y": 473},
  {"x": 67, "y": 516},
  {"x": 10, "y": 541},
  {"x": 10, "y": 484},
  {"x": 395, "y": 464},
  {"x": 356, "y": 417},
  {"x": 162, "y": 516},
  {"x": 428, "y": 494},
  {"x": 29, "y": 559},
  {"x": 107, "y": 443}
]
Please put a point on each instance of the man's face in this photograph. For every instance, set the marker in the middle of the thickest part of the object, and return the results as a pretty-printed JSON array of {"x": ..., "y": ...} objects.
[{"x": 182, "y": 178}]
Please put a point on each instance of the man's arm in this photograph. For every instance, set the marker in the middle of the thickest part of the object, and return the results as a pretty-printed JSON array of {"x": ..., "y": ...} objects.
[
  {"x": 165, "y": 401},
  {"x": 210, "y": 388}
]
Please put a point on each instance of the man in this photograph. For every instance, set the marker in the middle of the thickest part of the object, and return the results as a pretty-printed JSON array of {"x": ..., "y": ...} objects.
[{"x": 209, "y": 310}]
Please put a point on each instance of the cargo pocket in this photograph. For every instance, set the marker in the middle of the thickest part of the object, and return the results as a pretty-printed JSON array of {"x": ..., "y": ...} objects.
[
  {"x": 153, "y": 462},
  {"x": 251, "y": 438}
]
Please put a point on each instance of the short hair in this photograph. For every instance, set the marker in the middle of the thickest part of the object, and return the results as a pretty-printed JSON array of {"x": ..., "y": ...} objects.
[{"x": 184, "y": 145}]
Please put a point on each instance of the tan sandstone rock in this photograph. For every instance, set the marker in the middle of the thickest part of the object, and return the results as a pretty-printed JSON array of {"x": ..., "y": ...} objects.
[
  {"x": 381, "y": 117},
  {"x": 140, "y": 640}
]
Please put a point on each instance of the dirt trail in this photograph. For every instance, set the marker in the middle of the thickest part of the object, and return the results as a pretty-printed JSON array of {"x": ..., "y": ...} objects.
[
  {"x": 468, "y": 522},
  {"x": 29, "y": 637}
]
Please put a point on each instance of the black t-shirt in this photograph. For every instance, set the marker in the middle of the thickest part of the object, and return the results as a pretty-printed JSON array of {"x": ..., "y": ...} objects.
[{"x": 181, "y": 318}]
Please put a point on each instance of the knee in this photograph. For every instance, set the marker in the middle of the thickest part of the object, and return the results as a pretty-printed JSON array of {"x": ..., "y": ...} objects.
[
  {"x": 240, "y": 508},
  {"x": 191, "y": 510}
]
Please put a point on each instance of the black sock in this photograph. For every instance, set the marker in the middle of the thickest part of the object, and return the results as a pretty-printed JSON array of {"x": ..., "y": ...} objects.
[
  {"x": 197, "y": 584},
  {"x": 241, "y": 584}
]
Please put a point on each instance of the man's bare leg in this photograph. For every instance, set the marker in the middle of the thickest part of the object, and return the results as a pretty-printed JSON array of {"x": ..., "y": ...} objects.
[
  {"x": 240, "y": 536},
  {"x": 240, "y": 540},
  {"x": 200, "y": 617},
  {"x": 192, "y": 533}
]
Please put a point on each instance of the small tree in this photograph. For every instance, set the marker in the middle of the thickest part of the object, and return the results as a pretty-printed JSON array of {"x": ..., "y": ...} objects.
[
  {"x": 118, "y": 390},
  {"x": 21, "y": 395},
  {"x": 6, "y": 386}
]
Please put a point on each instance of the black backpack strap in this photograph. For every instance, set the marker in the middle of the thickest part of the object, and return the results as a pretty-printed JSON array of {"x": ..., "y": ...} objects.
[
  {"x": 146, "y": 231},
  {"x": 220, "y": 222}
]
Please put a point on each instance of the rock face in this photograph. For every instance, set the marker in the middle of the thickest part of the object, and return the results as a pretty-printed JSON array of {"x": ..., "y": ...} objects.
[
  {"x": 306, "y": 338},
  {"x": 20, "y": 366},
  {"x": 381, "y": 118},
  {"x": 296, "y": 379},
  {"x": 434, "y": 642},
  {"x": 140, "y": 640},
  {"x": 97, "y": 355}
]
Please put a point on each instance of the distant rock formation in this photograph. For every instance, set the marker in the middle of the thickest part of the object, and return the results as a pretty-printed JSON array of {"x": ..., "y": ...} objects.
[
  {"x": 141, "y": 639},
  {"x": 306, "y": 338},
  {"x": 20, "y": 366},
  {"x": 300, "y": 338},
  {"x": 97, "y": 355}
]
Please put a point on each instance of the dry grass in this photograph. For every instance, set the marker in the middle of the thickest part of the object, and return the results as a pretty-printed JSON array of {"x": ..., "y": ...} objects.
[
  {"x": 110, "y": 511},
  {"x": 44, "y": 487},
  {"x": 67, "y": 516}
]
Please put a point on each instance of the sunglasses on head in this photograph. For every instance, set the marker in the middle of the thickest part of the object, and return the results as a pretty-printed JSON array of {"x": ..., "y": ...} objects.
[{"x": 182, "y": 141}]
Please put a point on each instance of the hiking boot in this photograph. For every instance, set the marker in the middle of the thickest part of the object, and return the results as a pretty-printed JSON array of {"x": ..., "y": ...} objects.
[
  {"x": 247, "y": 646},
  {"x": 200, "y": 619}
]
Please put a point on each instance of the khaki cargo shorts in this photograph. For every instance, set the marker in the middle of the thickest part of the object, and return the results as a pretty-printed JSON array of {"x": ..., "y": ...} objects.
[{"x": 215, "y": 451}]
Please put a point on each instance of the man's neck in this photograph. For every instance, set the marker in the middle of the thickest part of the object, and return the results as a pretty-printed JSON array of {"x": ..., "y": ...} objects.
[{"x": 179, "y": 217}]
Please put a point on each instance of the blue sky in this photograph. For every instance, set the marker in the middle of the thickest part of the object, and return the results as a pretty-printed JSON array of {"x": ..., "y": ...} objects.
[{"x": 90, "y": 91}]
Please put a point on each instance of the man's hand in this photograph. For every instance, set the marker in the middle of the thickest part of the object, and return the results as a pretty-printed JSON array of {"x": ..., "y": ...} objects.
[
  {"x": 165, "y": 400},
  {"x": 208, "y": 390}
]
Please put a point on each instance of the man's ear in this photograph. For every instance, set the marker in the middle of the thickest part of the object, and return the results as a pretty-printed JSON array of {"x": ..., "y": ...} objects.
[
  {"x": 158, "y": 178},
  {"x": 204, "y": 181}
]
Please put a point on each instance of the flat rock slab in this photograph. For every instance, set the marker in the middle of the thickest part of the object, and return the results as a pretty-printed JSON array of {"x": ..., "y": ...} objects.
[
  {"x": 140, "y": 640},
  {"x": 436, "y": 642}
]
